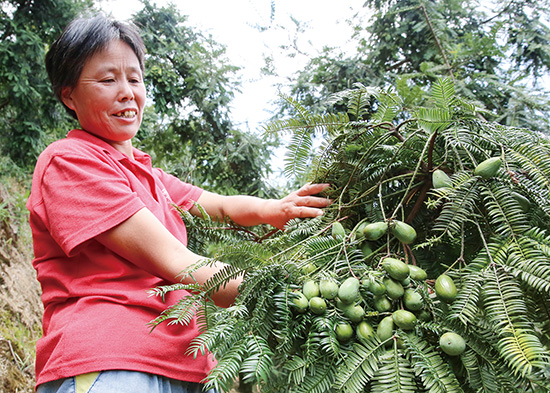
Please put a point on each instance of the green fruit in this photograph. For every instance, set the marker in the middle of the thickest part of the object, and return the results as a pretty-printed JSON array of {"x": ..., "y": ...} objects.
[
  {"x": 524, "y": 203},
  {"x": 404, "y": 319},
  {"x": 403, "y": 231},
  {"x": 309, "y": 268},
  {"x": 412, "y": 300},
  {"x": 300, "y": 302},
  {"x": 338, "y": 231},
  {"x": 385, "y": 328},
  {"x": 445, "y": 288},
  {"x": 310, "y": 289},
  {"x": 344, "y": 331},
  {"x": 417, "y": 273},
  {"x": 440, "y": 179},
  {"x": 348, "y": 291},
  {"x": 406, "y": 282},
  {"x": 328, "y": 289},
  {"x": 424, "y": 315},
  {"x": 343, "y": 306},
  {"x": 360, "y": 230},
  {"x": 317, "y": 305},
  {"x": 354, "y": 313},
  {"x": 364, "y": 330},
  {"x": 396, "y": 269},
  {"x": 452, "y": 344},
  {"x": 382, "y": 304},
  {"x": 377, "y": 288},
  {"x": 394, "y": 289},
  {"x": 366, "y": 249},
  {"x": 375, "y": 230},
  {"x": 488, "y": 168}
]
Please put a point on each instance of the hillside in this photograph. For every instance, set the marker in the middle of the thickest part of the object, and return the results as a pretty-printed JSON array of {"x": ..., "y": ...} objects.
[{"x": 20, "y": 306}]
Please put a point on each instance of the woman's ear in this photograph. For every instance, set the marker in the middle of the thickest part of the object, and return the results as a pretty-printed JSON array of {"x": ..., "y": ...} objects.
[{"x": 66, "y": 97}]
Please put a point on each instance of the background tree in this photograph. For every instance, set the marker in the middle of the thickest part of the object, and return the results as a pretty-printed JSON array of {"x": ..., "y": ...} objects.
[
  {"x": 29, "y": 114},
  {"x": 191, "y": 85},
  {"x": 497, "y": 53}
]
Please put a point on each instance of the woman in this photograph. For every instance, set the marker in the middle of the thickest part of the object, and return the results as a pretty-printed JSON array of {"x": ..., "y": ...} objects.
[{"x": 105, "y": 230}]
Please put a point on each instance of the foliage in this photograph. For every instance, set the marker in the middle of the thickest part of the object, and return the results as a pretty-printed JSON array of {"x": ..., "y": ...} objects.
[
  {"x": 30, "y": 116},
  {"x": 191, "y": 85},
  {"x": 495, "y": 52},
  {"x": 477, "y": 230}
]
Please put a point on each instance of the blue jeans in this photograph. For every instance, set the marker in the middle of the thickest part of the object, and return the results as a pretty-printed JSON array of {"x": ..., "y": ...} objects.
[{"x": 121, "y": 381}]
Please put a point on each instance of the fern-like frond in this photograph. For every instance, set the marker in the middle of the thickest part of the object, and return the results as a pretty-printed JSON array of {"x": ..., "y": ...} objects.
[
  {"x": 460, "y": 205},
  {"x": 257, "y": 367},
  {"x": 523, "y": 351},
  {"x": 320, "y": 380},
  {"x": 505, "y": 306},
  {"x": 435, "y": 374},
  {"x": 360, "y": 364},
  {"x": 395, "y": 375},
  {"x": 505, "y": 215}
]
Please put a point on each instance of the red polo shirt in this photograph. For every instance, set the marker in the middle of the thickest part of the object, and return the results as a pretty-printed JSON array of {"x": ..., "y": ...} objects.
[{"x": 96, "y": 305}]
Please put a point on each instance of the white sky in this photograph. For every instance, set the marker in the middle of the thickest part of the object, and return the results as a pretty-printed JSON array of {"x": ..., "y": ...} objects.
[{"x": 232, "y": 23}]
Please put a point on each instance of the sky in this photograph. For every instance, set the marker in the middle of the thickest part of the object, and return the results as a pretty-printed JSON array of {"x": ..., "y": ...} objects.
[{"x": 233, "y": 23}]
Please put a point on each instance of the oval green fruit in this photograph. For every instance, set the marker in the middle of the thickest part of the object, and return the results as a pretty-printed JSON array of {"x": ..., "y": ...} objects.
[
  {"x": 384, "y": 329},
  {"x": 354, "y": 313},
  {"x": 328, "y": 289},
  {"x": 364, "y": 330},
  {"x": 488, "y": 168},
  {"x": 366, "y": 249},
  {"x": 317, "y": 305},
  {"x": 403, "y": 231},
  {"x": 309, "y": 268},
  {"x": 417, "y": 273},
  {"x": 523, "y": 202},
  {"x": 348, "y": 291},
  {"x": 344, "y": 331},
  {"x": 440, "y": 179},
  {"x": 310, "y": 289},
  {"x": 338, "y": 231},
  {"x": 375, "y": 230},
  {"x": 396, "y": 269},
  {"x": 424, "y": 315},
  {"x": 394, "y": 289},
  {"x": 412, "y": 300},
  {"x": 452, "y": 344},
  {"x": 343, "y": 306},
  {"x": 445, "y": 288},
  {"x": 404, "y": 319},
  {"x": 377, "y": 288},
  {"x": 359, "y": 231},
  {"x": 382, "y": 304},
  {"x": 300, "y": 302}
]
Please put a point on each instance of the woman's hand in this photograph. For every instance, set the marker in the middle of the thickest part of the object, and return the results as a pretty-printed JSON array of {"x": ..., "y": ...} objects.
[{"x": 298, "y": 204}]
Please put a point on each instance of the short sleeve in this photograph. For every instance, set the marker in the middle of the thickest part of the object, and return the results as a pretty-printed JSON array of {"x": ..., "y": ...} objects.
[
  {"x": 83, "y": 197},
  {"x": 182, "y": 194}
]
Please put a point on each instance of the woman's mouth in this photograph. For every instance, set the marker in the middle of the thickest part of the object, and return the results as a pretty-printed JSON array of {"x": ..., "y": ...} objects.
[{"x": 126, "y": 114}]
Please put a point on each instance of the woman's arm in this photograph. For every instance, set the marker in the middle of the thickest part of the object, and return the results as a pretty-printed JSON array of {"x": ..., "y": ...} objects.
[
  {"x": 249, "y": 211},
  {"x": 144, "y": 241}
]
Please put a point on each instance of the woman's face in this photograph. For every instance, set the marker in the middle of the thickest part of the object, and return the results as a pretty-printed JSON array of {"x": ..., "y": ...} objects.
[{"x": 109, "y": 96}]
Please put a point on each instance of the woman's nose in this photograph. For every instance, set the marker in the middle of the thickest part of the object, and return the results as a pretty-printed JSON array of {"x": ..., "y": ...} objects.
[{"x": 126, "y": 92}]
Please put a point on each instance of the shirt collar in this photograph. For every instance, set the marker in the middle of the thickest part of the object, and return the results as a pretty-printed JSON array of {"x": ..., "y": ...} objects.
[{"x": 85, "y": 136}]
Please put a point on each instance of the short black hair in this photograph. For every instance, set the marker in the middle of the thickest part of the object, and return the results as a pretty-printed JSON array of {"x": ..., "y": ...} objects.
[{"x": 80, "y": 40}]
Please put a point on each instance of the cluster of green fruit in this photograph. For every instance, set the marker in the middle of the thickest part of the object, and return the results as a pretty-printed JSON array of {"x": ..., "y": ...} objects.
[{"x": 388, "y": 297}]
